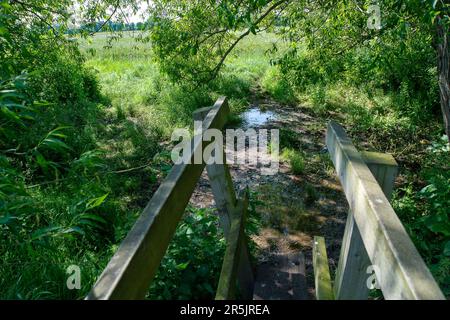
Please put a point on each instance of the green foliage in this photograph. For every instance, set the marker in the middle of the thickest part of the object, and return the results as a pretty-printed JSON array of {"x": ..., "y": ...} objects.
[
  {"x": 425, "y": 212},
  {"x": 15, "y": 111},
  {"x": 15, "y": 202},
  {"x": 277, "y": 86},
  {"x": 193, "y": 39},
  {"x": 191, "y": 267},
  {"x": 296, "y": 160},
  {"x": 51, "y": 200}
]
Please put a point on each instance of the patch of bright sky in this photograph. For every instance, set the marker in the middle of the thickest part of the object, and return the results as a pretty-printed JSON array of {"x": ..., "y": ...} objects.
[{"x": 138, "y": 16}]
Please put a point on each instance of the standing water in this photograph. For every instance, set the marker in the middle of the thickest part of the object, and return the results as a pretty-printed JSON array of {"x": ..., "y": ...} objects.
[{"x": 255, "y": 117}]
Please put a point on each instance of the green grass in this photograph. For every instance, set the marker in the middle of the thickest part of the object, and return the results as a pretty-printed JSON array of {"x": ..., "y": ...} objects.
[
  {"x": 296, "y": 160},
  {"x": 274, "y": 84}
]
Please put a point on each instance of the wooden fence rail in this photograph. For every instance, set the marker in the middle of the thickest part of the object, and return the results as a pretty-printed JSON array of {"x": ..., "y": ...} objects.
[
  {"x": 374, "y": 235},
  {"x": 132, "y": 268}
]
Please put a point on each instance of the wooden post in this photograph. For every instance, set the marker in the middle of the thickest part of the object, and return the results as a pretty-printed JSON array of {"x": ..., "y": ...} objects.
[
  {"x": 322, "y": 278},
  {"x": 384, "y": 168},
  {"x": 225, "y": 198},
  {"x": 351, "y": 276},
  {"x": 221, "y": 184},
  {"x": 235, "y": 243}
]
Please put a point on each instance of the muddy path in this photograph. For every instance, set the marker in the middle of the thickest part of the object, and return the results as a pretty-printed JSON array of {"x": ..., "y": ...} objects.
[{"x": 291, "y": 208}]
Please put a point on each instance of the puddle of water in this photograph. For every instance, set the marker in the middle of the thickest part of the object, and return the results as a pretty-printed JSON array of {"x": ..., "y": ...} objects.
[{"x": 254, "y": 117}]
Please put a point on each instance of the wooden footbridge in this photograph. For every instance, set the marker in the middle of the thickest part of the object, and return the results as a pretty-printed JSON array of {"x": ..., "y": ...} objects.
[{"x": 374, "y": 236}]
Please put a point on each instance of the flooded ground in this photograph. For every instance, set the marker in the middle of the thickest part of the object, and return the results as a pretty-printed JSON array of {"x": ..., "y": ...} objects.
[{"x": 255, "y": 117}]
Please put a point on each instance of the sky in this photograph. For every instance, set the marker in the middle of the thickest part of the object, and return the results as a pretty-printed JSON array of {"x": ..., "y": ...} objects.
[{"x": 136, "y": 17}]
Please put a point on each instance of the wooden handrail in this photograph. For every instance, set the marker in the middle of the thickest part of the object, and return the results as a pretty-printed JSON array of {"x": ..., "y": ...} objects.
[
  {"x": 132, "y": 268},
  {"x": 400, "y": 270},
  {"x": 351, "y": 275}
]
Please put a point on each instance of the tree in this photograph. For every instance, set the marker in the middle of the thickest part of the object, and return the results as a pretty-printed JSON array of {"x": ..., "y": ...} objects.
[
  {"x": 192, "y": 39},
  {"x": 443, "y": 57}
]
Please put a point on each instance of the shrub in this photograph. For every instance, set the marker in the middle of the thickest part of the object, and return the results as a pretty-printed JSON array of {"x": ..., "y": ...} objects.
[
  {"x": 277, "y": 86},
  {"x": 191, "y": 267}
]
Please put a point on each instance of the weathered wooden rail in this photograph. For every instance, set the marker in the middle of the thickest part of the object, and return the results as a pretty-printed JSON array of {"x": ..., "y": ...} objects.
[
  {"x": 374, "y": 235},
  {"x": 130, "y": 271}
]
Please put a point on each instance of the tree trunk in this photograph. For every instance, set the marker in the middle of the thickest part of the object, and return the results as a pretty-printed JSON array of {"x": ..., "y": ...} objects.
[{"x": 443, "y": 58}]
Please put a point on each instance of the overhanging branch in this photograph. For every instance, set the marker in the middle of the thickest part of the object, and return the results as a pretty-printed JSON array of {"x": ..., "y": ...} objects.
[{"x": 216, "y": 69}]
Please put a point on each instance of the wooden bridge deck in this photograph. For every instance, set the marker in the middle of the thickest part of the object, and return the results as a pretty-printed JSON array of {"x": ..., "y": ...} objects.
[{"x": 281, "y": 278}]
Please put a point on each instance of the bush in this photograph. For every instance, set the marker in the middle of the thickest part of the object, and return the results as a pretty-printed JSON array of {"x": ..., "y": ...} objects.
[
  {"x": 277, "y": 86},
  {"x": 191, "y": 267},
  {"x": 425, "y": 212}
]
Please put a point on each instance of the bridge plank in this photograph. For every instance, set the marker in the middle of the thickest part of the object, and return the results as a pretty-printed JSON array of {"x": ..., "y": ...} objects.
[{"x": 283, "y": 277}]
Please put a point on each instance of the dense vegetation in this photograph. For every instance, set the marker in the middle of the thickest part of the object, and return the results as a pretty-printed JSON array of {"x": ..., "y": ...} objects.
[{"x": 84, "y": 120}]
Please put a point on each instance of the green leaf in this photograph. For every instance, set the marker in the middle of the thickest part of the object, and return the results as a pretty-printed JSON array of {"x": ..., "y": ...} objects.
[
  {"x": 41, "y": 161},
  {"x": 437, "y": 224},
  {"x": 93, "y": 217},
  {"x": 447, "y": 249},
  {"x": 182, "y": 266},
  {"x": 73, "y": 230},
  {"x": 93, "y": 203},
  {"x": 90, "y": 223},
  {"x": 44, "y": 232},
  {"x": 54, "y": 144},
  {"x": 7, "y": 219}
]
